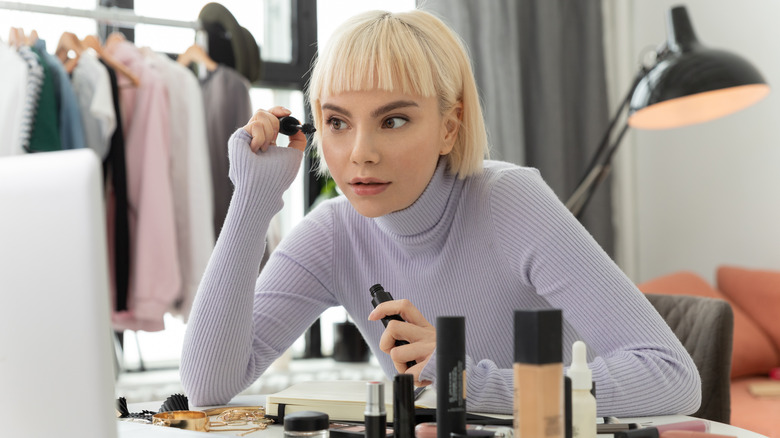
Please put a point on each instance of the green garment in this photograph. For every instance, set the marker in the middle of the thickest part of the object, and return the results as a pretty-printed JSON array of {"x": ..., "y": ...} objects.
[{"x": 45, "y": 134}]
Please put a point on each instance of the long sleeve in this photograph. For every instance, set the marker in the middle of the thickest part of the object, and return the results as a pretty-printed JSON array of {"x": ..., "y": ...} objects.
[
  {"x": 223, "y": 353},
  {"x": 640, "y": 366}
]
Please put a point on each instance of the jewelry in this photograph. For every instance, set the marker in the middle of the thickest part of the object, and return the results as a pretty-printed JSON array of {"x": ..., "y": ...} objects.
[{"x": 189, "y": 420}]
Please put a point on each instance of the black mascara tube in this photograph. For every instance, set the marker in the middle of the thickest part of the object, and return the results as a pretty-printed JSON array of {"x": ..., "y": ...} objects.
[
  {"x": 375, "y": 415},
  {"x": 378, "y": 296},
  {"x": 450, "y": 375},
  {"x": 403, "y": 406}
]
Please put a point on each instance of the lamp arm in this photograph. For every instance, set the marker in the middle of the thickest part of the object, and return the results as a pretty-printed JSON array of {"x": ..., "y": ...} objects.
[
  {"x": 584, "y": 193},
  {"x": 599, "y": 164}
]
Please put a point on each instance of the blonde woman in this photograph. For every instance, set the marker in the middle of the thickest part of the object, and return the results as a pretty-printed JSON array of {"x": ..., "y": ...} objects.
[{"x": 447, "y": 232}]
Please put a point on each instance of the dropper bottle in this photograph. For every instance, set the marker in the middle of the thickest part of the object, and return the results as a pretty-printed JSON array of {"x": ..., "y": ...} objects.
[{"x": 583, "y": 404}]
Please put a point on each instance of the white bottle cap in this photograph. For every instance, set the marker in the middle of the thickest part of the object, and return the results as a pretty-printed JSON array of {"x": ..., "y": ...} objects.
[{"x": 580, "y": 374}]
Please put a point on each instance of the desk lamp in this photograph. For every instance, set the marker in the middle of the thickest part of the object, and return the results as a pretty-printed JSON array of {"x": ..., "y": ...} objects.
[{"x": 688, "y": 84}]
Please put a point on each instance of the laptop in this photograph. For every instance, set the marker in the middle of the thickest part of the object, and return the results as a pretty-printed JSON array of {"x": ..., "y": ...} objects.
[{"x": 56, "y": 352}]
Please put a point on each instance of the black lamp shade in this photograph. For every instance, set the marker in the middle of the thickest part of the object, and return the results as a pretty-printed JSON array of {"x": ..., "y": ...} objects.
[{"x": 691, "y": 83}]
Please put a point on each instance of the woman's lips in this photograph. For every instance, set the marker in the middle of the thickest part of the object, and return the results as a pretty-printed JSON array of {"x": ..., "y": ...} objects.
[{"x": 368, "y": 186}]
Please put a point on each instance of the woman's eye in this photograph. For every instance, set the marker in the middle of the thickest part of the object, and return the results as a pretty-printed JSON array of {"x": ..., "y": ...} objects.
[
  {"x": 395, "y": 122},
  {"x": 336, "y": 124}
]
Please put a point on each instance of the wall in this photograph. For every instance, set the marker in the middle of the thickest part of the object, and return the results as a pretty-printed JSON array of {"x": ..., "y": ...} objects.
[{"x": 696, "y": 197}]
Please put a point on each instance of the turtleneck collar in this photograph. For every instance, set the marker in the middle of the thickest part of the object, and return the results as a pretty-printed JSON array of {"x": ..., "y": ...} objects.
[{"x": 425, "y": 216}]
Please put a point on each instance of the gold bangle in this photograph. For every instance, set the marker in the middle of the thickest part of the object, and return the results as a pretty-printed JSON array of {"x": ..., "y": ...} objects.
[{"x": 189, "y": 420}]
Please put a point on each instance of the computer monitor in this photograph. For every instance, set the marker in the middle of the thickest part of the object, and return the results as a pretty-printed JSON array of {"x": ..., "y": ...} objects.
[{"x": 56, "y": 363}]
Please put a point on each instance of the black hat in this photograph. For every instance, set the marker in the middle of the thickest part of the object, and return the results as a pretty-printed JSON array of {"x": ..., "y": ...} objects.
[{"x": 222, "y": 26}]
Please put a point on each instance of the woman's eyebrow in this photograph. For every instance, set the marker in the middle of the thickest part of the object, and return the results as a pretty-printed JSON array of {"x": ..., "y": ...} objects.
[
  {"x": 336, "y": 108},
  {"x": 393, "y": 106}
]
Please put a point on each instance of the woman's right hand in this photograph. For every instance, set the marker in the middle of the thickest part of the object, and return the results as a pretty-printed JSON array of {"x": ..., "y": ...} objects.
[{"x": 264, "y": 128}]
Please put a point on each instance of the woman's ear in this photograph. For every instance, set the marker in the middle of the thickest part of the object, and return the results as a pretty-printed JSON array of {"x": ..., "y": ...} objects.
[{"x": 450, "y": 127}]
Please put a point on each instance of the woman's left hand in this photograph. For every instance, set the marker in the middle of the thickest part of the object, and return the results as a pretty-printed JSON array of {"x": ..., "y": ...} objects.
[{"x": 415, "y": 329}]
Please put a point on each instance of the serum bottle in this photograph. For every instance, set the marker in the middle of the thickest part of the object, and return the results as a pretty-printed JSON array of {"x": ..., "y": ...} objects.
[
  {"x": 538, "y": 374},
  {"x": 583, "y": 403}
]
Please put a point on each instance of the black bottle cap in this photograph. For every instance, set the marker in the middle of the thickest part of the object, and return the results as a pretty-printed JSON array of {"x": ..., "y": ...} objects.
[
  {"x": 306, "y": 421},
  {"x": 539, "y": 336}
]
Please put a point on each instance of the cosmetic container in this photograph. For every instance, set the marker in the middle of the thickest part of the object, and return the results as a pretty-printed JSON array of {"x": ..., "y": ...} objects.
[
  {"x": 450, "y": 375},
  {"x": 583, "y": 404},
  {"x": 306, "y": 424},
  {"x": 375, "y": 415},
  {"x": 403, "y": 406},
  {"x": 538, "y": 374}
]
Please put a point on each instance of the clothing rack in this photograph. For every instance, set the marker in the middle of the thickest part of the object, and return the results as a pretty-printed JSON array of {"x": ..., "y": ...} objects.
[{"x": 113, "y": 15}]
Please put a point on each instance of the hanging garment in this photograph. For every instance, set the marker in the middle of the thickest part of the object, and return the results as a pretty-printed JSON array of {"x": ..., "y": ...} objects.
[
  {"x": 93, "y": 90},
  {"x": 155, "y": 279},
  {"x": 13, "y": 91},
  {"x": 71, "y": 129},
  {"x": 190, "y": 175},
  {"x": 227, "y": 104},
  {"x": 31, "y": 96},
  {"x": 45, "y": 135},
  {"x": 116, "y": 204}
]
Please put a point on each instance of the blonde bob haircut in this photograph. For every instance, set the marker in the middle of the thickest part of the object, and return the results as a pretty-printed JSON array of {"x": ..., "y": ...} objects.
[{"x": 412, "y": 52}]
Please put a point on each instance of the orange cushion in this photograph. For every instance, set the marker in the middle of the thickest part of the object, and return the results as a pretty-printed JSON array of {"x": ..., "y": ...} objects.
[
  {"x": 757, "y": 292},
  {"x": 757, "y": 414},
  {"x": 753, "y": 352}
]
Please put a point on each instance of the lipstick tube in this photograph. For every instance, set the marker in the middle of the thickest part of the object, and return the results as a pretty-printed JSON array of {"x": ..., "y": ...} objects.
[{"x": 375, "y": 415}]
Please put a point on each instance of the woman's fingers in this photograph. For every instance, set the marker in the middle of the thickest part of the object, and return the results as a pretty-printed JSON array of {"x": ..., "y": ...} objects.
[
  {"x": 264, "y": 129},
  {"x": 404, "y": 308}
]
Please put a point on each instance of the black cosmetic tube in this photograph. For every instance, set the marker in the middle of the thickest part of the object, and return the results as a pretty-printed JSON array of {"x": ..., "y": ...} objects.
[
  {"x": 403, "y": 406},
  {"x": 450, "y": 375}
]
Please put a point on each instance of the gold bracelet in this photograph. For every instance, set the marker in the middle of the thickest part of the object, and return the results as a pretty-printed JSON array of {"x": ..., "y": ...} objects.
[{"x": 189, "y": 420}]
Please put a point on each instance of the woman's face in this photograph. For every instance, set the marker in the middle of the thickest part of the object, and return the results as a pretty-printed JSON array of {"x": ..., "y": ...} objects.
[{"x": 382, "y": 147}]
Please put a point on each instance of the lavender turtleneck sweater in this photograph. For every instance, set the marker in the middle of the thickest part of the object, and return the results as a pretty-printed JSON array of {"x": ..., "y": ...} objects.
[{"x": 479, "y": 247}]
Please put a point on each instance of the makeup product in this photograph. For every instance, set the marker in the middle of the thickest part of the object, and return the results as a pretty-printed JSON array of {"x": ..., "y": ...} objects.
[
  {"x": 375, "y": 414},
  {"x": 403, "y": 405},
  {"x": 583, "y": 404},
  {"x": 351, "y": 430},
  {"x": 306, "y": 424},
  {"x": 644, "y": 432},
  {"x": 615, "y": 427},
  {"x": 567, "y": 407},
  {"x": 429, "y": 430},
  {"x": 538, "y": 371},
  {"x": 380, "y": 295},
  {"x": 290, "y": 125},
  {"x": 692, "y": 425},
  {"x": 451, "y": 375}
]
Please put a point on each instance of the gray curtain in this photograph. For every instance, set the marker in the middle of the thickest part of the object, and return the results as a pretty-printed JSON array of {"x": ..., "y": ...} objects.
[{"x": 540, "y": 70}]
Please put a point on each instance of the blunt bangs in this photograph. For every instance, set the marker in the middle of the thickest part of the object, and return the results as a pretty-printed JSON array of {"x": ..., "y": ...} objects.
[{"x": 380, "y": 54}]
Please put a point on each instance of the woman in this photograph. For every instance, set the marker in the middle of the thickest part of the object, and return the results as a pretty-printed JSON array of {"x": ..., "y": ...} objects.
[{"x": 400, "y": 129}]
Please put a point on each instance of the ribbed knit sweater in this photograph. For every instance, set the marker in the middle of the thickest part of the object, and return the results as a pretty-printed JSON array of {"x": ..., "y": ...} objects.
[{"x": 479, "y": 247}]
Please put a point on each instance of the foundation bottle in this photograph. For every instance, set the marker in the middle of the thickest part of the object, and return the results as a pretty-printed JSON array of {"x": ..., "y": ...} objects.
[{"x": 538, "y": 374}]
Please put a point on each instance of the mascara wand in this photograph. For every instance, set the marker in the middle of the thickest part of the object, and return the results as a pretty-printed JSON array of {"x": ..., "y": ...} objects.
[{"x": 290, "y": 125}]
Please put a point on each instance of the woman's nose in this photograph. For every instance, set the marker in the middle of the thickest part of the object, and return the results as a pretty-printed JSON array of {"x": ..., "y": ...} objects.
[{"x": 364, "y": 149}]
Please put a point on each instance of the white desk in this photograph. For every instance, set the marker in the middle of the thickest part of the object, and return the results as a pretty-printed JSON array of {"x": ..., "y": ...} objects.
[{"x": 136, "y": 430}]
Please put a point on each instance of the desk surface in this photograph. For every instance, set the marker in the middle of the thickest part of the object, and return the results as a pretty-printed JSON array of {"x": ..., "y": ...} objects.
[{"x": 136, "y": 430}]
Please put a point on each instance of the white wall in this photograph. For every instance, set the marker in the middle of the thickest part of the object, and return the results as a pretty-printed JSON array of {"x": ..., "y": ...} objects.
[{"x": 705, "y": 195}]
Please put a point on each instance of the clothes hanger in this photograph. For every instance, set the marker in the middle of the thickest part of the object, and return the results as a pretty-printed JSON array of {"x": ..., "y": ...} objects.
[
  {"x": 196, "y": 54},
  {"x": 92, "y": 41},
  {"x": 69, "y": 49},
  {"x": 31, "y": 38}
]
